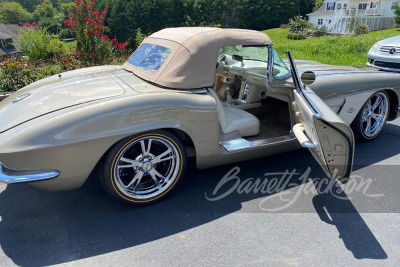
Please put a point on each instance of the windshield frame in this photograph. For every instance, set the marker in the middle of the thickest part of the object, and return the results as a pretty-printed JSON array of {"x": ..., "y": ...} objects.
[{"x": 271, "y": 61}]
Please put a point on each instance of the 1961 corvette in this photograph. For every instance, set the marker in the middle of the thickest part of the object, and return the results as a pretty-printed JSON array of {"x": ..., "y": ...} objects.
[{"x": 219, "y": 95}]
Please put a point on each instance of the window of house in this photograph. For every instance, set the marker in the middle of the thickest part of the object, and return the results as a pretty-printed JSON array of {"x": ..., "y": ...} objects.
[
  {"x": 330, "y": 6},
  {"x": 362, "y": 6},
  {"x": 394, "y": 4},
  {"x": 373, "y": 5},
  {"x": 8, "y": 42},
  {"x": 320, "y": 21},
  {"x": 341, "y": 6}
]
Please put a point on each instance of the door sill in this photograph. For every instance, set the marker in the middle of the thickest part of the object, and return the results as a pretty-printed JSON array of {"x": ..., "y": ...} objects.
[{"x": 243, "y": 144}]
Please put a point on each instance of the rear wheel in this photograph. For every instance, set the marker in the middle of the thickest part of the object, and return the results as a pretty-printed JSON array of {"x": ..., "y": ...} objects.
[
  {"x": 372, "y": 118},
  {"x": 144, "y": 168}
]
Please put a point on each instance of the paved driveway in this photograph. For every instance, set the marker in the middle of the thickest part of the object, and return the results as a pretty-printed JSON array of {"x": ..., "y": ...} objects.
[{"x": 302, "y": 221}]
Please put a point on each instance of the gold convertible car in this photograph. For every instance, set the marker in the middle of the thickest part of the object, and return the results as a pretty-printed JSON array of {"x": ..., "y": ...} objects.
[{"x": 219, "y": 95}]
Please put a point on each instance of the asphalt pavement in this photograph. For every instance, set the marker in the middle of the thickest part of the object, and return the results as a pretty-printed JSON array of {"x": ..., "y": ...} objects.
[{"x": 299, "y": 217}]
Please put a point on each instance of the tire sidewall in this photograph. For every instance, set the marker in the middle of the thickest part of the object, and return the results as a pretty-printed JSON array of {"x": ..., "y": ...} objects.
[
  {"x": 357, "y": 125},
  {"x": 107, "y": 168}
]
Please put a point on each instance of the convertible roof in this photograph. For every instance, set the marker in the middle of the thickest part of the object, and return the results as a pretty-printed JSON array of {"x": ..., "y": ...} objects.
[{"x": 194, "y": 52}]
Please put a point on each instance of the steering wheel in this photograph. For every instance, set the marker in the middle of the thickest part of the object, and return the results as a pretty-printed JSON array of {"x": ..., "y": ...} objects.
[{"x": 222, "y": 58}]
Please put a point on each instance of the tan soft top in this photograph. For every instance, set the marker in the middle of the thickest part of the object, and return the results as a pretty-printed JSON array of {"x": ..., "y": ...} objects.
[{"x": 194, "y": 52}]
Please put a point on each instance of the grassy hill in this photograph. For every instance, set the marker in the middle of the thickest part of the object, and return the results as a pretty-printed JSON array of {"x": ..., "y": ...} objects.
[{"x": 335, "y": 50}]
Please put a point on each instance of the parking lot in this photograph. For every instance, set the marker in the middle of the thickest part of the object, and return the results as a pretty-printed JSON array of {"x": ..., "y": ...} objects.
[{"x": 298, "y": 222}]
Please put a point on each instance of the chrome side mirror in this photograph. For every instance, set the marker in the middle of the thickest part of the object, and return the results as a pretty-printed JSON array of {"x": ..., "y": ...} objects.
[{"x": 308, "y": 78}]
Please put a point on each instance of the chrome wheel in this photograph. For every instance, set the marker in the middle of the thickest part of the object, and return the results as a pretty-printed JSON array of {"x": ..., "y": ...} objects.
[
  {"x": 147, "y": 167},
  {"x": 374, "y": 115}
]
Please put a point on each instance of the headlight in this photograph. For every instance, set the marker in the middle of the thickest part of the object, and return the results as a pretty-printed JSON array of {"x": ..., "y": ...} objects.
[{"x": 375, "y": 48}]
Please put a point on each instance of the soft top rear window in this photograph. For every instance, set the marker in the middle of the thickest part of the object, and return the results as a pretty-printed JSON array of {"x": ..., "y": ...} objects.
[{"x": 149, "y": 57}]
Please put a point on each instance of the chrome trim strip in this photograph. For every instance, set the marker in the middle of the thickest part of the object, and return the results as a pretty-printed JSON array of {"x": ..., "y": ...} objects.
[
  {"x": 242, "y": 144},
  {"x": 11, "y": 176},
  {"x": 360, "y": 92}
]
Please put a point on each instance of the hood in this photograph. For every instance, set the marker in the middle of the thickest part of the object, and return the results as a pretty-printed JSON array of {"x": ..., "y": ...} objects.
[
  {"x": 55, "y": 93},
  {"x": 393, "y": 41}
]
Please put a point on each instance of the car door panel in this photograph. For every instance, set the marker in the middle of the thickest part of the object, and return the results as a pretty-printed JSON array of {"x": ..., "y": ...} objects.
[{"x": 328, "y": 138}]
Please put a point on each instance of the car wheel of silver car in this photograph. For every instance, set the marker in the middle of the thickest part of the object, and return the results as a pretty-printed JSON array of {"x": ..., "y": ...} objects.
[
  {"x": 372, "y": 118},
  {"x": 144, "y": 168}
]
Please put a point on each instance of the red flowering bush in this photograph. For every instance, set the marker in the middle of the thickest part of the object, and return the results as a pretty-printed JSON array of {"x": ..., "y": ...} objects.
[{"x": 93, "y": 46}]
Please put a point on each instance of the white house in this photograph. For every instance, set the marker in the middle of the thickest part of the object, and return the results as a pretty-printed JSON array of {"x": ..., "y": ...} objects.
[{"x": 335, "y": 15}]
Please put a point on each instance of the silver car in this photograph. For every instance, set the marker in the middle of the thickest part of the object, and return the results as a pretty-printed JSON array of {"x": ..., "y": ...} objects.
[
  {"x": 217, "y": 95},
  {"x": 385, "y": 54}
]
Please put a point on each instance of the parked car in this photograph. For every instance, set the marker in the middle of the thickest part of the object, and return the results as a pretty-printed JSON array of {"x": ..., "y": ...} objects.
[
  {"x": 385, "y": 55},
  {"x": 219, "y": 95}
]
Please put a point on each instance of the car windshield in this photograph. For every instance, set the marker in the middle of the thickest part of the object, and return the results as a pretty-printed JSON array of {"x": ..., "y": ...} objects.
[
  {"x": 258, "y": 53},
  {"x": 149, "y": 57}
]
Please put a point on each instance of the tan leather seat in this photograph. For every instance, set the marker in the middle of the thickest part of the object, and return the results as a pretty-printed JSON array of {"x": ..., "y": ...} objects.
[{"x": 233, "y": 119}]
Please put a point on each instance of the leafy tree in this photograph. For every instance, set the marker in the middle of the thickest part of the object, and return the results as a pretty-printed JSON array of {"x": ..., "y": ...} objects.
[
  {"x": 396, "y": 11},
  {"x": 52, "y": 25},
  {"x": 318, "y": 4},
  {"x": 139, "y": 38},
  {"x": 44, "y": 10},
  {"x": 13, "y": 13},
  {"x": 66, "y": 8},
  {"x": 29, "y": 5},
  {"x": 88, "y": 25}
]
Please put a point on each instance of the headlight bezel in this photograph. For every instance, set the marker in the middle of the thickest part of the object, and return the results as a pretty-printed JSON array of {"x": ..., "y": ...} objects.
[{"x": 375, "y": 48}]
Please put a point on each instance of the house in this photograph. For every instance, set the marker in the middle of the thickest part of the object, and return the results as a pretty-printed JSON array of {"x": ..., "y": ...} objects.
[
  {"x": 8, "y": 40},
  {"x": 336, "y": 15}
]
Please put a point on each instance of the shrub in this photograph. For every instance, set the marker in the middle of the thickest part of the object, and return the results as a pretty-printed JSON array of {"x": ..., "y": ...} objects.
[
  {"x": 51, "y": 24},
  {"x": 66, "y": 34},
  {"x": 396, "y": 17},
  {"x": 88, "y": 25},
  {"x": 139, "y": 38},
  {"x": 15, "y": 74},
  {"x": 35, "y": 45},
  {"x": 292, "y": 36},
  {"x": 320, "y": 31},
  {"x": 299, "y": 25},
  {"x": 362, "y": 29}
]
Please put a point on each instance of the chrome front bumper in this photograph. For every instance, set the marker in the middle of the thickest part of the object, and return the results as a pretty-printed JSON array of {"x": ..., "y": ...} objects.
[{"x": 11, "y": 176}]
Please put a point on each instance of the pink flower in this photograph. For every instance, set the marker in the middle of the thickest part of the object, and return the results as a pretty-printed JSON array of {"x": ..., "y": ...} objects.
[
  {"x": 88, "y": 32},
  {"x": 111, "y": 60},
  {"x": 92, "y": 54},
  {"x": 105, "y": 38}
]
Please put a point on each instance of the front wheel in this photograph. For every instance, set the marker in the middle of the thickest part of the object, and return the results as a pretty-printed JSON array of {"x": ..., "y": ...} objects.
[
  {"x": 144, "y": 168},
  {"x": 372, "y": 118}
]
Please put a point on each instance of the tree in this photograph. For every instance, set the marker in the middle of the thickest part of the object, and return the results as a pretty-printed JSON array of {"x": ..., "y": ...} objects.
[
  {"x": 13, "y": 13},
  {"x": 88, "y": 25},
  {"x": 66, "y": 8},
  {"x": 44, "y": 10},
  {"x": 318, "y": 4},
  {"x": 396, "y": 11}
]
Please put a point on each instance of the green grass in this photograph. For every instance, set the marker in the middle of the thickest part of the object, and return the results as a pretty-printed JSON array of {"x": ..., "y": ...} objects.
[
  {"x": 68, "y": 45},
  {"x": 334, "y": 50}
]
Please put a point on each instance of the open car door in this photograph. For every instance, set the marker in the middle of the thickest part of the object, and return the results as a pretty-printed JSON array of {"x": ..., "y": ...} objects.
[{"x": 328, "y": 138}]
